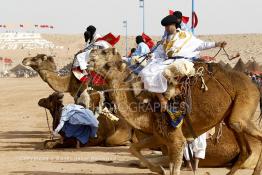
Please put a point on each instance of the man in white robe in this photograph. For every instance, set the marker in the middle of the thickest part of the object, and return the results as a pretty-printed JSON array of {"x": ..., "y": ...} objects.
[
  {"x": 82, "y": 56},
  {"x": 178, "y": 48}
]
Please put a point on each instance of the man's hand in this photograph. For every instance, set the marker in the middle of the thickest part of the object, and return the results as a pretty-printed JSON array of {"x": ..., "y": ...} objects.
[
  {"x": 221, "y": 44},
  {"x": 54, "y": 134}
]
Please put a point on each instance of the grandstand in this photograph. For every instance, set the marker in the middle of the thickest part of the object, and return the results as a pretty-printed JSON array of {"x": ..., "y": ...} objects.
[{"x": 13, "y": 41}]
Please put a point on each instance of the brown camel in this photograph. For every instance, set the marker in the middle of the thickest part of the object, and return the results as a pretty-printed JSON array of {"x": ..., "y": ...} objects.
[
  {"x": 231, "y": 97},
  {"x": 217, "y": 155},
  {"x": 46, "y": 68},
  {"x": 107, "y": 127}
]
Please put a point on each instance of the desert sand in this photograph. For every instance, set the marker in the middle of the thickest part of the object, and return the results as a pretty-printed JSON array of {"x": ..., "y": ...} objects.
[{"x": 24, "y": 128}]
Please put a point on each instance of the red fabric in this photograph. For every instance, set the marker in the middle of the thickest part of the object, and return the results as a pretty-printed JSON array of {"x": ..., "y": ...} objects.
[
  {"x": 8, "y": 61},
  {"x": 110, "y": 38},
  {"x": 207, "y": 58},
  {"x": 97, "y": 80},
  {"x": 149, "y": 42},
  {"x": 257, "y": 72},
  {"x": 185, "y": 19},
  {"x": 195, "y": 19}
]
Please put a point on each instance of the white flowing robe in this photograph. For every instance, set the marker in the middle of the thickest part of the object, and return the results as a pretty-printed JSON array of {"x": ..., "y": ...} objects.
[
  {"x": 197, "y": 148},
  {"x": 83, "y": 58},
  {"x": 182, "y": 44}
]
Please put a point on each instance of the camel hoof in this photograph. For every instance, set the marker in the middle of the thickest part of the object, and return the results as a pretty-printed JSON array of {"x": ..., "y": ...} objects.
[{"x": 159, "y": 170}]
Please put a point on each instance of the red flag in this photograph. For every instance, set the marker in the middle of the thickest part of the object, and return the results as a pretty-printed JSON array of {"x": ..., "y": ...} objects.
[
  {"x": 110, "y": 38},
  {"x": 195, "y": 19},
  {"x": 149, "y": 42},
  {"x": 7, "y": 61},
  {"x": 185, "y": 19}
]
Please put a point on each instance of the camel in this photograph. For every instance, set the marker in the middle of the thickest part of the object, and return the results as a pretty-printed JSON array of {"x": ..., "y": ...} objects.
[
  {"x": 107, "y": 127},
  {"x": 231, "y": 97},
  {"x": 218, "y": 155},
  {"x": 45, "y": 66}
]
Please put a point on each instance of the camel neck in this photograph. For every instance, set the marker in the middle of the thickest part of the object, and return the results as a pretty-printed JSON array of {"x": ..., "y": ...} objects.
[
  {"x": 128, "y": 107},
  {"x": 56, "y": 82}
]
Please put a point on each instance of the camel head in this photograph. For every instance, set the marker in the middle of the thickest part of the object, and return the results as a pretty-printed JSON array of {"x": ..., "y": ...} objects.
[
  {"x": 40, "y": 62},
  {"x": 107, "y": 62},
  {"x": 54, "y": 103}
]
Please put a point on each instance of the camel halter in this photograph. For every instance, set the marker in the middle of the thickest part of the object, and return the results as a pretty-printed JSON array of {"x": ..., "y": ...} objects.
[{"x": 47, "y": 120}]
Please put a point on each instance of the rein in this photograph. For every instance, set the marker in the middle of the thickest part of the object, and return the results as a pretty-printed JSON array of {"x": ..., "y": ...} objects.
[
  {"x": 227, "y": 55},
  {"x": 47, "y": 120}
]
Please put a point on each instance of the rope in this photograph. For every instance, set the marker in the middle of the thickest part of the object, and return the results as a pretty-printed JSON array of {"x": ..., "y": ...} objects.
[
  {"x": 50, "y": 132},
  {"x": 228, "y": 57},
  {"x": 200, "y": 73}
]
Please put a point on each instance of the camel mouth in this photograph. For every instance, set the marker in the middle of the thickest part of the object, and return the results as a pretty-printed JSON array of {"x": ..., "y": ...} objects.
[
  {"x": 26, "y": 62},
  {"x": 41, "y": 102}
]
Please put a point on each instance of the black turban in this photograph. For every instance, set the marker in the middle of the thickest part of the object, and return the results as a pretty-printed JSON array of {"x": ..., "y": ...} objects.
[
  {"x": 139, "y": 39},
  {"x": 169, "y": 20},
  {"x": 89, "y": 34}
]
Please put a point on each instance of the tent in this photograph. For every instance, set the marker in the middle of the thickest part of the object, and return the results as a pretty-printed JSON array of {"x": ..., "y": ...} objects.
[
  {"x": 253, "y": 67},
  {"x": 228, "y": 67},
  {"x": 240, "y": 66},
  {"x": 19, "y": 67},
  {"x": 222, "y": 63}
]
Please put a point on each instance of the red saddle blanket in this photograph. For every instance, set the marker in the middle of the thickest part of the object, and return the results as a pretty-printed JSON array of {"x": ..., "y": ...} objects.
[{"x": 95, "y": 78}]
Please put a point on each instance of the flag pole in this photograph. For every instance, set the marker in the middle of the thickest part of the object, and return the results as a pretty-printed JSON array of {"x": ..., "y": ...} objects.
[{"x": 192, "y": 17}]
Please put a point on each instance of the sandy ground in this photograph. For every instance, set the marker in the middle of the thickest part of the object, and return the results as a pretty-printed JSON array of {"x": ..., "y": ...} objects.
[{"x": 23, "y": 129}]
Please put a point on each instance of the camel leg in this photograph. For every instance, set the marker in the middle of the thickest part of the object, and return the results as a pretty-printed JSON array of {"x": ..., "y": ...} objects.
[
  {"x": 175, "y": 151},
  {"x": 243, "y": 153},
  {"x": 258, "y": 168},
  {"x": 239, "y": 121},
  {"x": 149, "y": 142}
]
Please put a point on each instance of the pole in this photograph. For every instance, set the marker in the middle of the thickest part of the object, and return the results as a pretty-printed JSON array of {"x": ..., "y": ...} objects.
[
  {"x": 142, "y": 5},
  {"x": 125, "y": 25},
  {"x": 143, "y": 16},
  {"x": 126, "y": 40},
  {"x": 193, "y": 10}
]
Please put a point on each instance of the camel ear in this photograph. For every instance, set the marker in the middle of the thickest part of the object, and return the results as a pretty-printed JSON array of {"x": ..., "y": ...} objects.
[
  {"x": 60, "y": 95},
  {"x": 50, "y": 59},
  {"x": 123, "y": 67},
  {"x": 114, "y": 51},
  {"x": 45, "y": 58}
]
